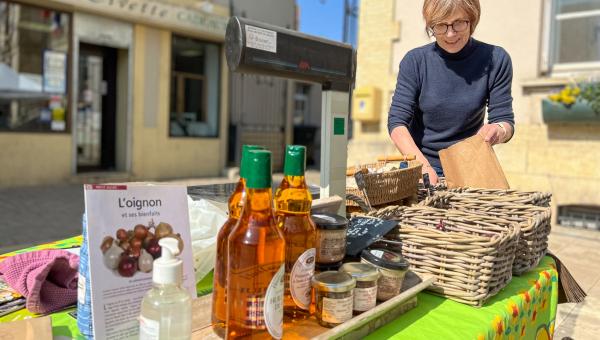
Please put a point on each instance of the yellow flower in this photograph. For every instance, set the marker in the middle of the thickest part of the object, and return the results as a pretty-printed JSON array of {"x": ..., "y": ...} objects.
[
  {"x": 555, "y": 97},
  {"x": 576, "y": 91},
  {"x": 568, "y": 100}
]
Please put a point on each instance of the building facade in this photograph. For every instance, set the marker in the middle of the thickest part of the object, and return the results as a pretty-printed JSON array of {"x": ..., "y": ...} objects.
[
  {"x": 136, "y": 90},
  {"x": 551, "y": 43}
]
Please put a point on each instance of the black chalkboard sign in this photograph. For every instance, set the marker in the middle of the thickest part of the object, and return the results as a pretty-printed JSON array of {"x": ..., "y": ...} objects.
[{"x": 364, "y": 231}]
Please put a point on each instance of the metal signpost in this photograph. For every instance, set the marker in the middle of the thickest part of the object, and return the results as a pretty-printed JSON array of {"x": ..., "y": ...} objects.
[{"x": 259, "y": 48}]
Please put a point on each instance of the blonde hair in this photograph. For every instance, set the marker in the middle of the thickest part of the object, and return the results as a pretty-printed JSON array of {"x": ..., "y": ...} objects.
[{"x": 435, "y": 11}]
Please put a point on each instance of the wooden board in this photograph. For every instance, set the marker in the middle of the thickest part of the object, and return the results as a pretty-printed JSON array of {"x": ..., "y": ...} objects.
[{"x": 355, "y": 328}]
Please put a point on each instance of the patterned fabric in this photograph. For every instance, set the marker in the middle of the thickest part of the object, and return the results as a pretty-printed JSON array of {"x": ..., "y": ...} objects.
[
  {"x": 525, "y": 309},
  {"x": 46, "y": 278}
]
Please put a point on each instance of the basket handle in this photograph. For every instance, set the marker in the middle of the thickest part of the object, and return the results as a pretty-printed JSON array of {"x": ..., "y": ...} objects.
[{"x": 393, "y": 158}]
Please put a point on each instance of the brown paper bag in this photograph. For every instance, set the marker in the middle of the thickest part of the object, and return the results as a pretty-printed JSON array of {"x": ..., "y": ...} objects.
[
  {"x": 29, "y": 329},
  {"x": 472, "y": 163}
]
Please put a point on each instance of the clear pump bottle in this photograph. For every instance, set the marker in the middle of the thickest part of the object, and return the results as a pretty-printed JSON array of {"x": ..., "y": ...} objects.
[{"x": 167, "y": 308}]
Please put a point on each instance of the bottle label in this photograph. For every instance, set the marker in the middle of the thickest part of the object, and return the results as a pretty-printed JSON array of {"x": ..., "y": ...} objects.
[
  {"x": 365, "y": 298},
  {"x": 337, "y": 310},
  {"x": 302, "y": 272},
  {"x": 273, "y": 306},
  {"x": 81, "y": 289},
  {"x": 149, "y": 329}
]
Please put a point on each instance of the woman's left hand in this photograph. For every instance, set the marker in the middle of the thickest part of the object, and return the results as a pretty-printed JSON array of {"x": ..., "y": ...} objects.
[{"x": 491, "y": 133}]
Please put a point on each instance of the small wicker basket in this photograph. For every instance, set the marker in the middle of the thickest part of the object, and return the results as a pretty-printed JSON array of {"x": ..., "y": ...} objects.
[
  {"x": 470, "y": 255},
  {"x": 388, "y": 186},
  {"x": 535, "y": 221}
]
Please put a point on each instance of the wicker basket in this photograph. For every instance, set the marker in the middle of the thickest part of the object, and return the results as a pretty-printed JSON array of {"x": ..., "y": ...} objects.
[
  {"x": 535, "y": 222},
  {"x": 388, "y": 186},
  {"x": 540, "y": 199},
  {"x": 470, "y": 255}
]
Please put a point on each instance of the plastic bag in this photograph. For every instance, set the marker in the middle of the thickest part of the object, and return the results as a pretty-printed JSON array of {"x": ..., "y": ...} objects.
[{"x": 205, "y": 221}]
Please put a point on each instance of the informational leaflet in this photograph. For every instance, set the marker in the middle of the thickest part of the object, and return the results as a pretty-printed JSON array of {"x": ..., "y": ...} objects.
[{"x": 124, "y": 225}]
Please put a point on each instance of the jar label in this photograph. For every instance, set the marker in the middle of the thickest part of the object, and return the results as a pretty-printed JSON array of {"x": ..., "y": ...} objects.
[
  {"x": 365, "y": 298},
  {"x": 332, "y": 245},
  {"x": 302, "y": 272},
  {"x": 149, "y": 329},
  {"x": 388, "y": 287},
  {"x": 273, "y": 305},
  {"x": 337, "y": 311}
]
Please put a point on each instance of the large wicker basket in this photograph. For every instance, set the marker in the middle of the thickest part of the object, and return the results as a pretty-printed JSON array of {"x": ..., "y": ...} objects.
[
  {"x": 470, "y": 255},
  {"x": 535, "y": 222},
  {"x": 540, "y": 199},
  {"x": 388, "y": 186}
]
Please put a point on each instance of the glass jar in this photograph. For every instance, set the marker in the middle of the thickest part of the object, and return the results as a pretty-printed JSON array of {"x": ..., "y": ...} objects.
[
  {"x": 331, "y": 237},
  {"x": 392, "y": 267},
  {"x": 333, "y": 297},
  {"x": 365, "y": 292}
]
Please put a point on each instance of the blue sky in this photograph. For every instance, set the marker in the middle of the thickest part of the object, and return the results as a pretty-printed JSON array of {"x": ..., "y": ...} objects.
[{"x": 323, "y": 18}]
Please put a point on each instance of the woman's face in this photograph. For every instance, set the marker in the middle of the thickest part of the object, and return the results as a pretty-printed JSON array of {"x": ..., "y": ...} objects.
[{"x": 453, "y": 41}]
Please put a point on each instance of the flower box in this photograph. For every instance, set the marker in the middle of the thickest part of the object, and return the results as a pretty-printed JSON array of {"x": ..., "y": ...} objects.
[{"x": 579, "y": 112}]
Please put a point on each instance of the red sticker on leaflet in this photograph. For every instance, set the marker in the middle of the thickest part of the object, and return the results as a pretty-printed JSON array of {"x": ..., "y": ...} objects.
[{"x": 105, "y": 187}]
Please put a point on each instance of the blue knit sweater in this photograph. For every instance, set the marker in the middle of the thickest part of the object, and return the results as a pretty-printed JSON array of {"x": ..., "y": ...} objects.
[{"x": 441, "y": 97}]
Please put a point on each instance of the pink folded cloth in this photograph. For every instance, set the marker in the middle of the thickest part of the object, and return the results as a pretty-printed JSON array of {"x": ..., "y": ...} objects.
[{"x": 46, "y": 278}]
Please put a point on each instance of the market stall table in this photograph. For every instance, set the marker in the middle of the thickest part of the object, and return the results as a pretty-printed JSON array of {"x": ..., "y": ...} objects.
[{"x": 526, "y": 309}]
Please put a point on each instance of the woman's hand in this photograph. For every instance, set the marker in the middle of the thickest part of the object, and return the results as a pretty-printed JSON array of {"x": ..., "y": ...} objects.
[
  {"x": 492, "y": 133},
  {"x": 433, "y": 177}
]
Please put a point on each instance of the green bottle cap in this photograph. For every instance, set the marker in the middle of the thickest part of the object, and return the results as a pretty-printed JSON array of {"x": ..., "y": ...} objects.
[
  {"x": 258, "y": 169},
  {"x": 295, "y": 160},
  {"x": 245, "y": 149}
]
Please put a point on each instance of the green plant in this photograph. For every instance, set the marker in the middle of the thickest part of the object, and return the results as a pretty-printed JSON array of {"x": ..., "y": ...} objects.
[{"x": 587, "y": 91}]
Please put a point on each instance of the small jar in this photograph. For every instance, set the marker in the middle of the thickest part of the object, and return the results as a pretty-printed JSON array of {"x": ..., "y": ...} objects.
[
  {"x": 365, "y": 292},
  {"x": 331, "y": 237},
  {"x": 392, "y": 267},
  {"x": 333, "y": 297}
]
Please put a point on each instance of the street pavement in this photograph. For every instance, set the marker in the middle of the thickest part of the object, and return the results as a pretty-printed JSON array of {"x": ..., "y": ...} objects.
[{"x": 37, "y": 214}]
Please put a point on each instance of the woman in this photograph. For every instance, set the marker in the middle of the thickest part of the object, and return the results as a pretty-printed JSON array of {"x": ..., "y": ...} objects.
[{"x": 444, "y": 87}]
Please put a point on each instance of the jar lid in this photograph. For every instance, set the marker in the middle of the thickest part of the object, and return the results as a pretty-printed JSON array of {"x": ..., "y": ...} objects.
[
  {"x": 331, "y": 281},
  {"x": 385, "y": 259},
  {"x": 329, "y": 221},
  {"x": 361, "y": 271}
]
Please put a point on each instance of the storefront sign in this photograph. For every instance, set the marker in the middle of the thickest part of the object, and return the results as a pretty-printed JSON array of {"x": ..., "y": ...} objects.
[
  {"x": 160, "y": 14},
  {"x": 55, "y": 74}
]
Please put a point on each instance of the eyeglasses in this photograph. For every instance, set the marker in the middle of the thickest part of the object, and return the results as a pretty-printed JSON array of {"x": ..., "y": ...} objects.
[{"x": 457, "y": 26}]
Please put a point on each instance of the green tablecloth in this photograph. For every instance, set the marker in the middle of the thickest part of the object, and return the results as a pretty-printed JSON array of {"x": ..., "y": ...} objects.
[{"x": 525, "y": 309}]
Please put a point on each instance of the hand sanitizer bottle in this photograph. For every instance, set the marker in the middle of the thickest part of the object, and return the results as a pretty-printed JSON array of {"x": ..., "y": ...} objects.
[{"x": 167, "y": 308}]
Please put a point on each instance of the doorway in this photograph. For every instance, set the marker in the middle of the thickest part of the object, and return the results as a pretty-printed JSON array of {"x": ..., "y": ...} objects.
[{"x": 96, "y": 123}]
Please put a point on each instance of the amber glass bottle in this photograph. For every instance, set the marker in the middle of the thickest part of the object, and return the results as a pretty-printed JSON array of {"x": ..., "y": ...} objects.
[
  {"x": 256, "y": 260},
  {"x": 236, "y": 202},
  {"x": 292, "y": 212}
]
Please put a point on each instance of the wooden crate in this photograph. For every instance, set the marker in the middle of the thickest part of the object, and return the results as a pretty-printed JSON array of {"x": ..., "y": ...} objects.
[{"x": 355, "y": 328}]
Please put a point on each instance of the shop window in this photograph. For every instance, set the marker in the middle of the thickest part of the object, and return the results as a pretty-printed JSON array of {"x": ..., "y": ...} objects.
[
  {"x": 194, "y": 88},
  {"x": 34, "y": 53},
  {"x": 579, "y": 216},
  {"x": 574, "y": 37},
  {"x": 301, "y": 104}
]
